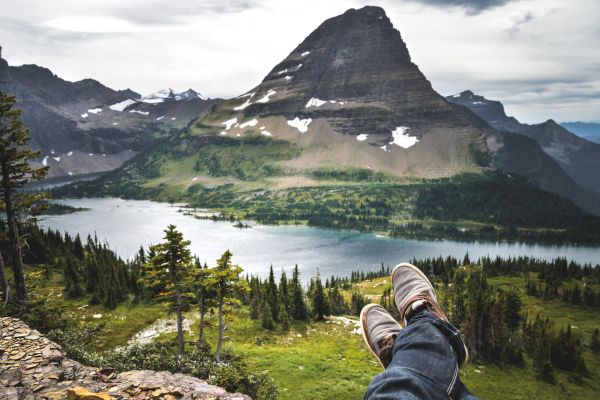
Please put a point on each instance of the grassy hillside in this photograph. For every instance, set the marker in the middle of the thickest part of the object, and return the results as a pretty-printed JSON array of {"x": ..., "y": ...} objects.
[{"x": 324, "y": 360}]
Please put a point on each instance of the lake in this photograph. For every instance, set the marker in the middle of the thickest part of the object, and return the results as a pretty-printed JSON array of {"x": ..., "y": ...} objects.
[{"x": 127, "y": 224}]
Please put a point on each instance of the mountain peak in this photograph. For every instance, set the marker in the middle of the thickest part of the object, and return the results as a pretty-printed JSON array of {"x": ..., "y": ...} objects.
[{"x": 354, "y": 63}]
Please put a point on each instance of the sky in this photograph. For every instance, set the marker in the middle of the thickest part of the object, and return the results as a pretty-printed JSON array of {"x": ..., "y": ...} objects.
[{"x": 541, "y": 58}]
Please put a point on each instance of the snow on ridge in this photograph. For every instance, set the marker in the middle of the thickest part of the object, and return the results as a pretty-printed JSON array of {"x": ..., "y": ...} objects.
[
  {"x": 362, "y": 137},
  {"x": 457, "y": 95},
  {"x": 283, "y": 71},
  {"x": 229, "y": 123},
  {"x": 140, "y": 112},
  {"x": 115, "y": 123},
  {"x": 157, "y": 97},
  {"x": 402, "y": 139},
  {"x": 266, "y": 99},
  {"x": 45, "y": 161},
  {"x": 84, "y": 115},
  {"x": 314, "y": 102},
  {"x": 245, "y": 95},
  {"x": 288, "y": 77},
  {"x": 70, "y": 173},
  {"x": 159, "y": 118},
  {"x": 252, "y": 122},
  {"x": 478, "y": 102},
  {"x": 122, "y": 105},
  {"x": 245, "y": 104},
  {"x": 69, "y": 154},
  {"x": 57, "y": 159},
  {"x": 95, "y": 110},
  {"x": 266, "y": 133},
  {"x": 300, "y": 124},
  {"x": 384, "y": 147},
  {"x": 305, "y": 53}
]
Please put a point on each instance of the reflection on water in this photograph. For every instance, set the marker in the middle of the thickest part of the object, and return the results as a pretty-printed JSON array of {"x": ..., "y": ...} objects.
[{"x": 127, "y": 224}]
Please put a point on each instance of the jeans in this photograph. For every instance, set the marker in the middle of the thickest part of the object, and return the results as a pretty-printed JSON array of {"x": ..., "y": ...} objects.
[{"x": 424, "y": 363}]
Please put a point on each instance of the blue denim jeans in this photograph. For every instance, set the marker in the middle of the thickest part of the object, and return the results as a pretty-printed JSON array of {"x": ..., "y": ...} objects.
[{"x": 424, "y": 363}]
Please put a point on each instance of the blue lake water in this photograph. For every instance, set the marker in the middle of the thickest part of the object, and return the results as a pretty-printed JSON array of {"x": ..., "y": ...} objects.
[{"x": 127, "y": 224}]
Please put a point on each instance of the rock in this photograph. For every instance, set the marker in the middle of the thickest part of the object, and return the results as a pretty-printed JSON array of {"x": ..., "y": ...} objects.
[
  {"x": 36, "y": 369},
  {"x": 81, "y": 393},
  {"x": 52, "y": 354}
]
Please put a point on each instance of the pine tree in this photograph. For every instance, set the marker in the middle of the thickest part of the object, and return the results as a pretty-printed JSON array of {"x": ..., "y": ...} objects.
[
  {"x": 205, "y": 295},
  {"x": 284, "y": 318},
  {"x": 15, "y": 172},
  {"x": 227, "y": 283},
  {"x": 320, "y": 304},
  {"x": 171, "y": 269},
  {"x": 72, "y": 277},
  {"x": 273, "y": 296},
  {"x": 284, "y": 293},
  {"x": 298, "y": 308},
  {"x": 266, "y": 316}
]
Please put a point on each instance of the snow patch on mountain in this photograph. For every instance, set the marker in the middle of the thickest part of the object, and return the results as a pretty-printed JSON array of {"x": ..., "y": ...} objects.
[
  {"x": 266, "y": 99},
  {"x": 229, "y": 123},
  {"x": 122, "y": 105},
  {"x": 246, "y": 124},
  {"x": 95, "y": 110},
  {"x": 245, "y": 104},
  {"x": 362, "y": 137},
  {"x": 300, "y": 124},
  {"x": 402, "y": 139},
  {"x": 314, "y": 102},
  {"x": 140, "y": 112}
]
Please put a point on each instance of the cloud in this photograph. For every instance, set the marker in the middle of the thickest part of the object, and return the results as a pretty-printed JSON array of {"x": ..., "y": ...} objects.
[{"x": 472, "y": 7}]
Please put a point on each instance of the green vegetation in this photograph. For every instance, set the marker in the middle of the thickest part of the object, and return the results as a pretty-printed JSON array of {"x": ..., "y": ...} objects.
[{"x": 512, "y": 335}]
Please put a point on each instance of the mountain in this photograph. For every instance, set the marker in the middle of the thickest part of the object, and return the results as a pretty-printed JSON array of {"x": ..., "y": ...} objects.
[
  {"x": 85, "y": 127},
  {"x": 348, "y": 98},
  {"x": 579, "y": 157},
  {"x": 587, "y": 130}
]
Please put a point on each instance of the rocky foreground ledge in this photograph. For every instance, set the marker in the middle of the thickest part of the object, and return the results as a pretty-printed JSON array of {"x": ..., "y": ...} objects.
[{"x": 33, "y": 367}]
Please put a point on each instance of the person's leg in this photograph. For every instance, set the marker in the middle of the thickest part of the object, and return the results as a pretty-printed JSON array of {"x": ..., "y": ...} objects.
[{"x": 426, "y": 354}]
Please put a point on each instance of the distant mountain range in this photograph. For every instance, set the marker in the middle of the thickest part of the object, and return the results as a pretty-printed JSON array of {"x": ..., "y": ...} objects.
[
  {"x": 587, "y": 130},
  {"x": 85, "y": 127},
  {"x": 579, "y": 157},
  {"x": 347, "y": 98}
]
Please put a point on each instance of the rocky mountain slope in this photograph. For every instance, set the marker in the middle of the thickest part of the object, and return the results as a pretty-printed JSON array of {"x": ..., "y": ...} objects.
[
  {"x": 33, "y": 367},
  {"x": 579, "y": 158},
  {"x": 85, "y": 127}
]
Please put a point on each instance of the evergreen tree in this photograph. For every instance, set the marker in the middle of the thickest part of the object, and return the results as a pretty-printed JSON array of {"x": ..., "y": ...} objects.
[
  {"x": 266, "y": 316},
  {"x": 284, "y": 293},
  {"x": 273, "y": 296},
  {"x": 171, "y": 269},
  {"x": 15, "y": 172},
  {"x": 72, "y": 277},
  {"x": 227, "y": 283},
  {"x": 320, "y": 303},
  {"x": 298, "y": 308},
  {"x": 205, "y": 295}
]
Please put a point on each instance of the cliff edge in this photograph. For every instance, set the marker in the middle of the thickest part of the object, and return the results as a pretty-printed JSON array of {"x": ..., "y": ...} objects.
[{"x": 33, "y": 367}]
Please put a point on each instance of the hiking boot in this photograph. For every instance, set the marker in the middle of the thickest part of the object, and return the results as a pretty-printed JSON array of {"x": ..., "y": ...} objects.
[
  {"x": 413, "y": 292},
  {"x": 379, "y": 330}
]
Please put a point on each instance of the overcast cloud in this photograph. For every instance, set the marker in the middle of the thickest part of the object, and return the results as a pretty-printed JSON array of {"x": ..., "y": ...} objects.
[{"x": 541, "y": 58}]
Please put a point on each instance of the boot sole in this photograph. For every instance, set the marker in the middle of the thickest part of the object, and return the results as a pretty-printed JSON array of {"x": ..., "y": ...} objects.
[
  {"x": 365, "y": 335},
  {"x": 422, "y": 275}
]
